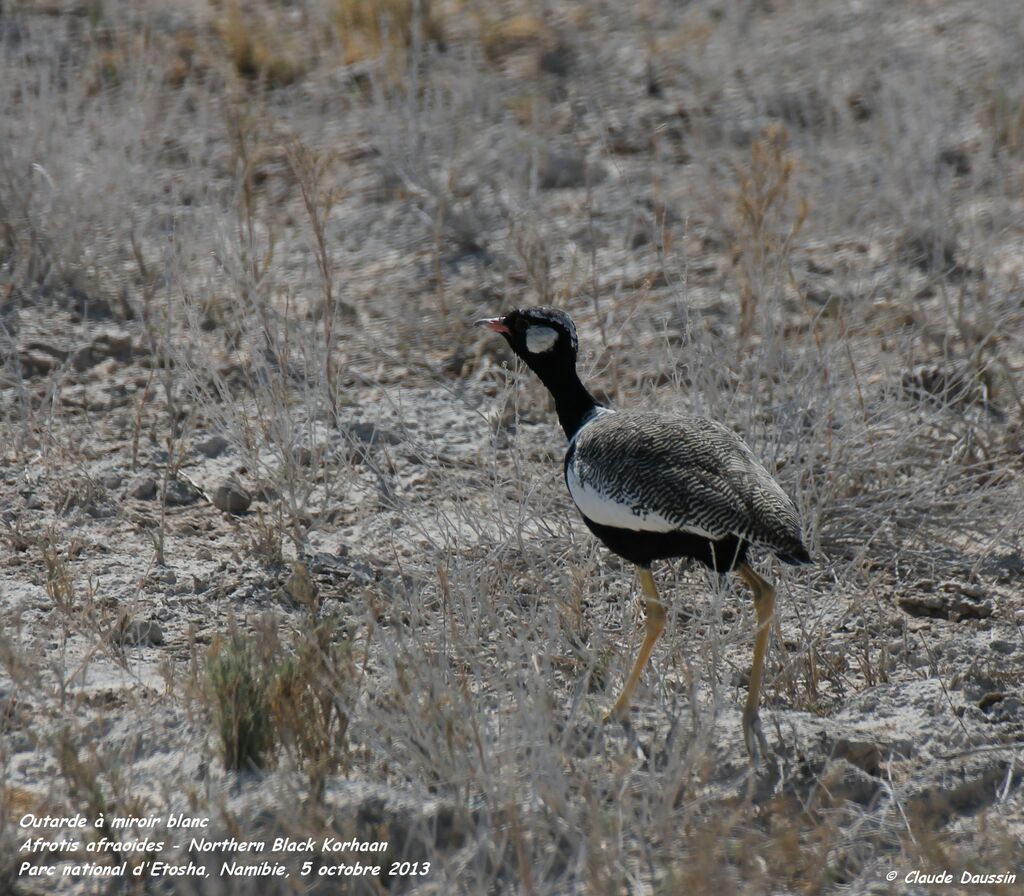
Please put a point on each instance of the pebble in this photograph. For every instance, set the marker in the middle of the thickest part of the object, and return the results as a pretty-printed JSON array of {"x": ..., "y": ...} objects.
[
  {"x": 559, "y": 171},
  {"x": 213, "y": 447},
  {"x": 141, "y": 633},
  {"x": 112, "y": 344},
  {"x": 991, "y": 699},
  {"x": 847, "y": 781},
  {"x": 372, "y": 433},
  {"x": 82, "y": 359},
  {"x": 143, "y": 488},
  {"x": 35, "y": 362},
  {"x": 180, "y": 493},
  {"x": 231, "y": 498}
]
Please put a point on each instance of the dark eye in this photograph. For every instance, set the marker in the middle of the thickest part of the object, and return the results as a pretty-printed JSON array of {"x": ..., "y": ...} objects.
[{"x": 520, "y": 325}]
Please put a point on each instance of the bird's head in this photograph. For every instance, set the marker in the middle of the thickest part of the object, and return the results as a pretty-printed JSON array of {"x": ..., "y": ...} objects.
[{"x": 545, "y": 338}]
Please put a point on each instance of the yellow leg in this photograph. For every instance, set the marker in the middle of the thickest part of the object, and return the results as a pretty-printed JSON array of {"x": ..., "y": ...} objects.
[
  {"x": 764, "y": 604},
  {"x": 655, "y": 623}
]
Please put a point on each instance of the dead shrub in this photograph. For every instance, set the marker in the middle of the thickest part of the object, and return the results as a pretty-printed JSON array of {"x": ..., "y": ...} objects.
[{"x": 768, "y": 220}]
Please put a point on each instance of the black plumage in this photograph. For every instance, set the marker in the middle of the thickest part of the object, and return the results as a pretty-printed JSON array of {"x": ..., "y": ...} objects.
[{"x": 656, "y": 486}]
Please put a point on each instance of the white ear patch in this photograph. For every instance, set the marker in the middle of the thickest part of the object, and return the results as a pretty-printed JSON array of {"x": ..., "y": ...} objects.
[{"x": 540, "y": 339}]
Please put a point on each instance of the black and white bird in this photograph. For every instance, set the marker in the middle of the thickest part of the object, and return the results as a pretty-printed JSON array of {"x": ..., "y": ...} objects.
[{"x": 652, "y": 486}]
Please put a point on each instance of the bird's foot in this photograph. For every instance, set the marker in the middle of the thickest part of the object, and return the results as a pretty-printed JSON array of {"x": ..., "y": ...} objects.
[{"x": 753, "y": 736}]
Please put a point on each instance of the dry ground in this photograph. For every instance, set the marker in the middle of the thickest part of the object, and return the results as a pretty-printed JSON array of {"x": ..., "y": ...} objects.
[{"x": 284, "y": 539}]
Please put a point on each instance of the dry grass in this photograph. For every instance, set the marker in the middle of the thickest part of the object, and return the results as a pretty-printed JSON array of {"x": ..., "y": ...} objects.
[
  {"x": 293, "y": 213},
  {"x": 769, "y": 221},
  {"x": 369, "y": 29},
  {"x": 269, "y": 698},
  {"x": 259, "y": 45}
]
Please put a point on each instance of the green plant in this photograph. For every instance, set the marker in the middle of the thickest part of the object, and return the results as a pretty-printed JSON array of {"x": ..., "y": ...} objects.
[
  {"x": 240, "y": 685},
  {"x": 311, "y": 698}
]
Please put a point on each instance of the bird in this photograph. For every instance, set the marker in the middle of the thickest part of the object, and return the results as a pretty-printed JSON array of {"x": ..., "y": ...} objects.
[{"x": 656, "y": 486}]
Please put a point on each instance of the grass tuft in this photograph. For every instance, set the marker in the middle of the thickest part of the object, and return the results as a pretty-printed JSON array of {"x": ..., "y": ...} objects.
[
  {"x": 311, "y": 699},
  {"x": 239, "y": 691},
  {"x": 373, "y": 28},
  {"x": 768, "y": 221},
  {"x": 259, "y": 47}
]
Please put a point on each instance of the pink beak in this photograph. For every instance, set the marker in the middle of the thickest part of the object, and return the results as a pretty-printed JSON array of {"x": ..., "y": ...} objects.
[{"x": 495, "y": 324}]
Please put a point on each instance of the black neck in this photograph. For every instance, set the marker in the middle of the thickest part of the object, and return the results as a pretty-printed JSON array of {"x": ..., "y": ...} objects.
[{"x": 572, "y": 400}]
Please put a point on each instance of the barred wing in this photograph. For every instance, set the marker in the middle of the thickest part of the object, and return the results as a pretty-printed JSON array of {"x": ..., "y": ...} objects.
[{"x": 661, "y": 473}]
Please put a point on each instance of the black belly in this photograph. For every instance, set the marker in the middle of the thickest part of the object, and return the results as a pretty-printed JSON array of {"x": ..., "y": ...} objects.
[{"x": 642, "y": 548}]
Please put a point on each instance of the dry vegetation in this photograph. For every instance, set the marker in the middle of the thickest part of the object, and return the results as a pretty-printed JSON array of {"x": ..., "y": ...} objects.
[{"x": 284, "y": 541}]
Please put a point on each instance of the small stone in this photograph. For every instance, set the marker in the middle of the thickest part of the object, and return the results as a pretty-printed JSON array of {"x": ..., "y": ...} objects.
[
  {"x": 180, "y": 494},
  {"x": 559, "y": 171},
  {"x": 847, "y": 781},
  {"x": 556, "y": 61},
  {"x": 231, "y": 498},
  {"x": 112, "y": 480},
  {"x": 946, "y": 605},
  {"x": 112, "y": 343},
  {"x": 991, "y": 699},
  {"x": 87, "y": 307},
  {"x": 372, "y": 433},
  {"x": 140, "y": 633},
  {"x": 864, "y": 754},
  {"x": 213, "y": 447},
  {"x": 956, "y": 157},
  {"x": 36, "y": 362},
  {"x": 265, "y": 491},
  {"x": 82, "y": 359},
  {"x": 143, "y": 488}
]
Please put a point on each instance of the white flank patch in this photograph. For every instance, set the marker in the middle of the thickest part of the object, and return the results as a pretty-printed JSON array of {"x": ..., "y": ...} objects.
[
  {"x": 603, "y": 510},
  {"x": 540, "y": 339}
]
